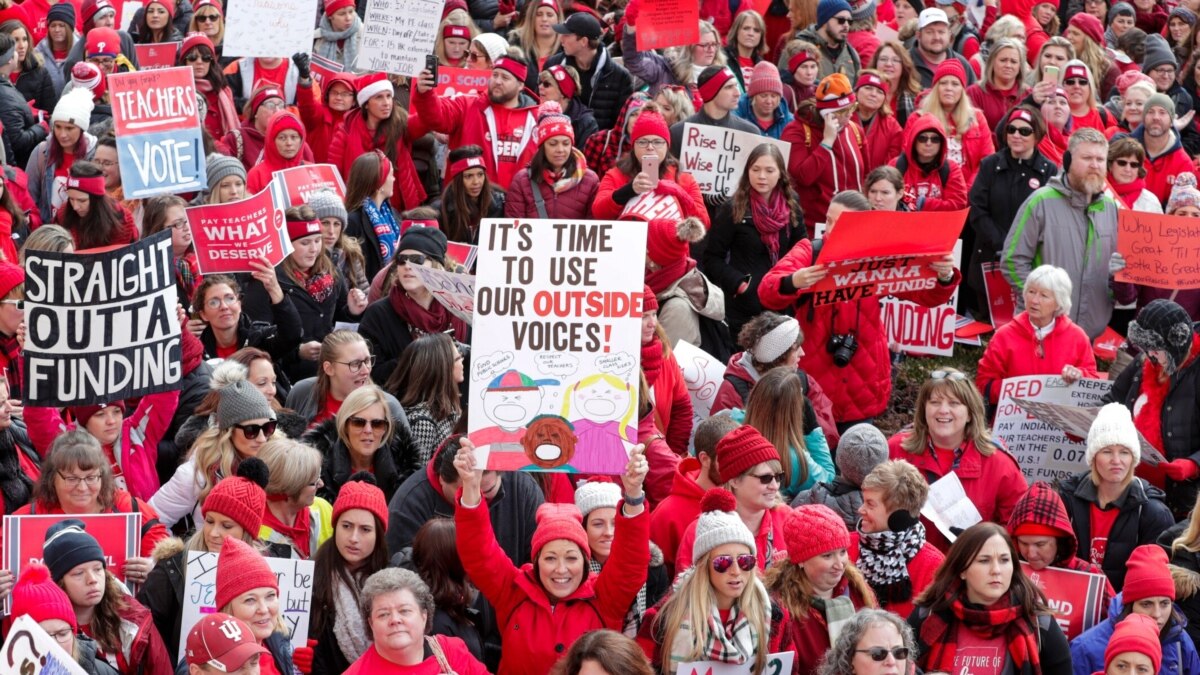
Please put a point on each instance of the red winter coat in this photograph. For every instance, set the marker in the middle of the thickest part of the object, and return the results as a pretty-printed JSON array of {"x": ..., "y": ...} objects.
[
  {"x": 321, "y": 121},
  {"x": 1162, "y": 170},
  {"x": 672, "y": 405},
  {"x": 457, "y": 655},
  {"x": 146, "y": 651},
  {"x": 885, "y": 141},
  {"x": 820, "y": 173},
  {"x": 768, "y": 541},
  {"x": 865, "y": 42},
  {"x": 153, "y": 530},
  {"x": 718, "y": 13},
  {"x": 809, "y": 635},
  {"x": 1035, "y": 34},
  {"x": 260, "y": 176},
  {"x": 977, "y": 143},
  {"x": 573, "y": 203},
  {"x": 921, "y": 571},
  {"x": 925, "y": 191},
  {"x": 993, "y": 103},
  {"x": 861, "y": 389},
  {"x": 1013, "y": 352},
  {"x": 728, "y": 397},
  {"x": 673, "y": 515},
  {"x": 661, "y": 459},
  {"x": 606, "y": 208},
  {"x": 353, "y": 138},
  {"x": 993, "y": 483},
  {"x": 536, "y": 632}
]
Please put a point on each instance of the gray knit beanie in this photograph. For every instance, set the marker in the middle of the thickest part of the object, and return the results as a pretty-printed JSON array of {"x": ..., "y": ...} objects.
[
  {"x": 239, "y": 402},
  {"x": 326, "y": 204},
  {"x": 220, "y": 166},
  {"x": 1158, "y": 53},
  {"x": 862, "y": 448}
]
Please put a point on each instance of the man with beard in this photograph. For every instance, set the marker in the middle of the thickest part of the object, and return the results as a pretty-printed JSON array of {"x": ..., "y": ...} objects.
[
  {"x": 1165, "y": 156},
  {"x": 502, "y": 123},
  {"x": 1072, "y": 224},
  {"x": 933, "y": 46},
  {"x": 829, "y": 34}
]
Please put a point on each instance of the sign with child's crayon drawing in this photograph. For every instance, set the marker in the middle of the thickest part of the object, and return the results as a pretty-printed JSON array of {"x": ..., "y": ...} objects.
[{"x": 556, "y": 344}]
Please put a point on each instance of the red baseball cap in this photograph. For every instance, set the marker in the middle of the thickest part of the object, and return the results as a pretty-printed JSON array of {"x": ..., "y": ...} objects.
[{"x": 222, "y": 642}]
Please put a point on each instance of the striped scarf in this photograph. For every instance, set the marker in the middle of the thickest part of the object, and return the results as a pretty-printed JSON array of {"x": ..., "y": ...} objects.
[
  {"x": 637, "y": 611},
  {"x": 1005, "y": 618}
]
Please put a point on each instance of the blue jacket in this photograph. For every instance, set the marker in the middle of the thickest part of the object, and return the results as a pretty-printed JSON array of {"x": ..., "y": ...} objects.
[
  {"x": 819, "y": 460},
  {"x": 782, "y": 116},
  {"x": 1179, "y": 652}
]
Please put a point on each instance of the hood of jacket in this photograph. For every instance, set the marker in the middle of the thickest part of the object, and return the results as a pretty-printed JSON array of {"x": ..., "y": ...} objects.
[
  {"x": 684, "y": 483},
  {"x": 745, "y": 110},
  {"x": 916, "y": 126},
  {"x": 280, "y": 122},
  {"x": 1041, "y": 505},
  {"x": 1139, "y": 134}
]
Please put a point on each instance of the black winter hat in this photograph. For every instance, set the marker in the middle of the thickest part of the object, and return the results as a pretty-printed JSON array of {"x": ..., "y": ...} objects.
[
  {"x": 67, "y": 546},
  {"x": 1164, "y": 325},
  {"x": 428, "y": 240}
]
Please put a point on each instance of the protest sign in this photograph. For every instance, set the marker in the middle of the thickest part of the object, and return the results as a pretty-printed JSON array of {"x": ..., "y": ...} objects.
[
  {"x": 877, "y": 253},
  {"x": 157, "y": 56},
  {"x": 1077, "y": 598},
  {"x": 323, "y": 69},
  {"x": 716, "y": 156},
  {"x": 917, "y": 329},
  {"x": 119, "y": 536},
  {"x": 777, "y": 664},
  {"x": 29, "y": 650},
  {"x": 668, "y": 23},
  {"x": 556, "y": 344},
  {"x": 702, "y": 375},
  {"x": 158, "y": 131},
  {"x": 298, "y": 183},
  {"x": 1161, "y": 251},
  {"x": 1002, "y": 301},
  {"x": 453, "y": 82},
  {"x": 295, "y": 579},
  {"x": 229, "y": 236},
  {"x": 397, "y": 35},
  {"x": 1077, "y": 421},
  {"x": 463, "y": 254},
  {"x": 1107, "y": 345},
  {"x": 266, "y": 28},
  {"x": 455, "y": 291},
  {"x": 101, "y": 327},
  {"x": 126, "y": 9},
  {"x": 1041, "y": 449},
  {"x": 948, "y": 506}
]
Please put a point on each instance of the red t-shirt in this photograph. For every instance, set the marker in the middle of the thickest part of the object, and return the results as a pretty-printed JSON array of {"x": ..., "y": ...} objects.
[
  {"x": 978, "y": 655},
  {"x": 226, "y": 352},
  {"x": 1102, "y": 523},
  {"x": 510, "y": 142},
  {"x": 1091, "y": 119},
  {"x": 278, "y": 74},
  {"x": 747, "y": 66},
  {"x": 330, "y": 409}
]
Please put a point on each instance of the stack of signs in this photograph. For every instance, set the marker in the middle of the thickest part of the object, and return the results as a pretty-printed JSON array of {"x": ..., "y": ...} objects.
[{"x": 157, "y": 125}]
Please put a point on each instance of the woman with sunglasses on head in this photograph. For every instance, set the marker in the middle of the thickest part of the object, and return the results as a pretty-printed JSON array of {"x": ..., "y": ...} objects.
[
  {"x": 296, "y": 521},
  {"x": 427, "y": 380},
  {"x": 560, "y": 84},
  {"x": 949, "y": 434},
  {"x": 874, "y": 642},
  {"x": 565, "y": 187},
  {"x": 362, "y": 437},
  {"x": 199, "y": 54},
  {"x": 345, "y": 365},
  {"x": 982, "y": 605}
]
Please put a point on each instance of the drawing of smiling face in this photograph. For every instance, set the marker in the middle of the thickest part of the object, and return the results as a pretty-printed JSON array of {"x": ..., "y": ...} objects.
[
  {"x": 512, "y": 408},
  {"x": 602, "y": 402}
]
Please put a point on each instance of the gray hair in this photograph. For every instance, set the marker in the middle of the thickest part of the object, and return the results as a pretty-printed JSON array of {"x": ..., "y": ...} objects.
[
  {"x": 1057, "y": 281},
  {"x": 391, "y": 580},
  {"x": 839, "y": 660},
  {"x": 852, "y": 200},
  {"x": 1086, "y": 135}
]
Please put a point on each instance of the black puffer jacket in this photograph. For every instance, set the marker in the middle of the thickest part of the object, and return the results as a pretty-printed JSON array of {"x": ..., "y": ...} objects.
[
  {"x": 1180, "y": 423},
  {"x": 22, "y": 133},
  {"x": 1142, "y": 517},
  {"x": 611, "y": 86},
  {"x": 162, "y": 593},
  {"x": 394, "y": 462},
  {"x": 37, "y": 87}
]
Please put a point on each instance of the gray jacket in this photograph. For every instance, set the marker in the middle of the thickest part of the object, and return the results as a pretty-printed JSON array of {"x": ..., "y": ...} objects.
[{"x": 1060, "y": 226}]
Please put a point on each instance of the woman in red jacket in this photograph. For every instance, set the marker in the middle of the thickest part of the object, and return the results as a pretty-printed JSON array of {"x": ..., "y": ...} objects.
[
  {"x": 1003, "y": 84},
  {"x": 885, "y": 137},
  {"x": 283, "y": 149},
  {"x": 380, "y": 124},
  {"x": 323, "y": 118},
  {"x": 200, "y": 55},
  {"x": 1042, "y": 340},
  {"x": 672, "y": 403},
  {"x": 628, "y": 191},
  {"x": 553, "y": 600},
  {"x": 968, "y": 135},
  {"x": 565, "y": 186},
  {"x": 93, "y": 218},
  {"x": 949, "y": 434},
  {"x": 932, "y": 181}
]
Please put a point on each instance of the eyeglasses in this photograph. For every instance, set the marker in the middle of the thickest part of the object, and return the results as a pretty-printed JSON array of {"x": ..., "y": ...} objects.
[
  {"x": 360, "y": 423},
  {"x": 197, "y": 56},
  {"x": 842, "y": 20},
  {"x": 62, "y": 636},
  {"x": 881, "y": 653},
  {"x": 1023, "y": 131},
  {"x": 644, "y": 143},
  {"x": 767, "y": 478},
  {"x": 1076, "y": 82},
  {"x": 357, "y": 364},
  {"x": 1128, "y": 163},
  {"x": 341, "y": 92},
  {"x": 708, "y": 46},
  {"x": 273, "y": 104},
  {"x": 1163, "y": 70},
  {"x": 414, "y": 258},
  {"x": 19, "y": 304},
  {"x": 207, "y": 18},
  {"x": 181, "y": 224},
  {"x": 105, "y": 163},
  {"x": 252, "y": 431},
  {"x": 227, "y": 301},
  {"x": 722, "y": 563},
  {"x": 475, "y": 56},
  {"x": 939, "y": 375},
  {"x": 888, "y": 60},
  {"x": 74, "y": 481},
  {"x": 929, "y": 138}
]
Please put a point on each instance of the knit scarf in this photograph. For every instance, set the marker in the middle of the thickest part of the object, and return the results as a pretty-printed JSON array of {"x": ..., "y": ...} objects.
[
  {"x": 329, "y": 47},
  {"x": 1129, "y": 192},
  {"x": 770, "y": 216},
  {"x": 297, "y": 533},
  {"x": 883, "y": 560},
  {"x": 1005, "y": 618},
  {"x": 387, "y": 231},
  {"x": 421, "y": 321},
  {"x": 225, "y": 106},
  {"x": 319, "y": 286},
  {"x": 652, "y": 359},
  {"x": 734, "y": 642},
  {"x": 187, "y": 271},
  {"x": 559, "y": 182},
  {"x": 837, "y": 610},
  {"x": 349, "y": 630},
  {"x": 637, "y": 611},
  {"x": 661, "y": 279}
]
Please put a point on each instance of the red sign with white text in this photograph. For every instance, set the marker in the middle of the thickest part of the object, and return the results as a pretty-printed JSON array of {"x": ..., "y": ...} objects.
[
  {"x": 229, "y": 236},
  {"x": 1077, "y": 598},
  {"x": 459, "y": 81},
  {"x": 156, "y": 56},
  {"x": 299, "y": 182}
]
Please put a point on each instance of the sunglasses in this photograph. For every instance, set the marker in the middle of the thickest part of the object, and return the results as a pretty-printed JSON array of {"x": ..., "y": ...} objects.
[
  {"x": 376, "y": 425},
  {"x": 197, "y": 56},
  {"x": 1077, "y": 82},
  {"x": 207, "y": 18},
  {"x": 1128, "y": 163},
  {"x": 939, "y": 375},
  {"x": 929, "y": 138},
  {"x": 766, "y": 478},
  {"x": 1023, "y": 131},
  {"x": 842, "y": 21},
  {"x": 745, "y": 561},
  {"x": 414, "y": 258},
  {"x": 251, "y": 431},
  {"x": 881, "y": 653}
]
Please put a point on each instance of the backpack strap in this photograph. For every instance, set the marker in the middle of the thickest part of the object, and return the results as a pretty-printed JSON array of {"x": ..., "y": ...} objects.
[
  {"x": 538, "y": 200},
  {"x": 741, "y": 386}
]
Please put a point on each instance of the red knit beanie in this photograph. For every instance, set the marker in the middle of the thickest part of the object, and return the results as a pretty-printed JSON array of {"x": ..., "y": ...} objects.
[
  {"x": 37, "y": 595},
  {"x": 552, "y": 122},
  {"x": 168, "y": 4},
  {"x": 559, "y": 521},
  {"x": 813, "y": 529},
  {"x": 742, "y": 449},
  {"x": 332, "y": 6},
  {"x": 950, "y": 68},
  {"x": 241, "y": 569},
  {"x": 241, "y": 498},
  {"x": 650, "y": 123},
  {"x": 1089, "y": 26},
  {"x": 11, "y": 276},
  {"x": 1136, "y": 633},
  {"x": 1147, "y": 575},
  {"x": 194, "y": 40},
  {"x": 649, "y": 300},
  {"x": 360, "y": 494},
  {"x": 667, "y": 240}
]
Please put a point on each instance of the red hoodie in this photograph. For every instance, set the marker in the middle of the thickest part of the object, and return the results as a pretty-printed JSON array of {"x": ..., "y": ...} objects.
[
  {"x": 352, "y": 138},
  {"x": 926, "y": 190},
  {"x": 681, "y": 508},
  {"x": 260, "y": 176},
  {"x": 818, "y": 172},
  {"x": 321, "y": 120}
]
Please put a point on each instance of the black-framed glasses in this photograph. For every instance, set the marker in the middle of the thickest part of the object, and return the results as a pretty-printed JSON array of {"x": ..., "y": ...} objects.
[
  {"x": 197, "y": 56},
  {"x": 929, "y": 138},
  {"x": 360, "y": 423},
  {"x": 745, "y": 561},
  {"x": 414, "y": 258},
  {"x": 881, "y": 653},
  {"x": 357, "y": 364},
  {"x": 767, "y": 478},
  {"x": 208, "y": 18},
  {"x": 644, "y": 143},
  {"x": 251, "y": 431},
  {"x": 74, "y": 481},
  {"x": 180, "y": 224},
  {"x": 1023, "y": 131},
  {"x": 953, "y": 376},
  {"x": 1128, "y": 163}
]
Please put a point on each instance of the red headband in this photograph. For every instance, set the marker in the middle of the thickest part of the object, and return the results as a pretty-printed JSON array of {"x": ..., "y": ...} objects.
[
  {"x": 871, "y": 80},
  {"x": 385, "y": 168},
  {"x": 563, "y": 79},
  {"x": 1022, "y": 115},
  {"x": 462, "y": 165},
  {"x": 800, "y": 58},
  {"x": 298, "y": 229},
  {"x": 405, "y": 224},
  {"x": 452, "y": 31},
  {"x": 512, "y": 67},
  {"x": 708, "y": 90},
  {"x": 93, "y": 185}
]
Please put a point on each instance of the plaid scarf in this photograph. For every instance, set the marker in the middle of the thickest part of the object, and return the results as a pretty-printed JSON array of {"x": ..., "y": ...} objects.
[
  {"x": 637, "y": 611},
  {"x": 734, "y": 642},
  {"x": 561, "y": 182},
  {"x": 883, "y": 560},
  {"x": 1005, "y": 618},
  {"x": 837, "y": 610}
]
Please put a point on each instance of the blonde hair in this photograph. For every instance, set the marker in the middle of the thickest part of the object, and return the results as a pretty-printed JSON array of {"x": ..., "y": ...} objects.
[
  {"x": 1190, "y": 539},
  {"x": 279, "y": 625},
  {"x": 902, "y": 485},
  {"x": 293, "y": 466},
  {"x": 526, "y": 33},
  {"x": 1092, "y": 55},
  {"x": 1056, "y": 42},
  {"x": 680, "y": 58},
  {"x": 963, "y": 391},
  {"x": 680, "y": 102},
  {"x": 999, "y": 45},
  {"x": 787, "y": 581},
  {"x": 359, "y": 400},
  {"x": 456, "y": 17},
  {"x": 213, "y": 454},
  {"x": 612, "y": 381},
  {"x": 955, "y": 122}
]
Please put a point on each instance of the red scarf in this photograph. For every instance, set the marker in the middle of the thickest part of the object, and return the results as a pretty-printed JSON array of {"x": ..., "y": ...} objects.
[
  {"x": 652, "y": 359},
  {"x": 1147, "y": 410},
  {"x": 421, "y": 321},
  {"x": 298, "y": 532},
  {"x": 1006, "y": 618},
  {"x": 661, "y": 279},
  {"x": 319, "y": 286},
  {"x": 770, "y": 215},
  {"x": 1129, "y": 193}
]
